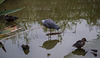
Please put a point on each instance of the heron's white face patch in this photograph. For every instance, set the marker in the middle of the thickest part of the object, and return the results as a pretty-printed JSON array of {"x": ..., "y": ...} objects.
[{"x": 43, "y": 21}]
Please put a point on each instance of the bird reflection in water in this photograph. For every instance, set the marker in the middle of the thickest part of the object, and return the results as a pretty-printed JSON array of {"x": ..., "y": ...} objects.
[
  {"x": 57, "y": 33},
  {"x": 50, "y": 44},
  {"x": 79, "y": 52},
  {"x": 48, "y": 54},
  {"x": 2, "y": 46},
  {"x": 25, "y": 48},
  {"x": 83, "y": 52}
]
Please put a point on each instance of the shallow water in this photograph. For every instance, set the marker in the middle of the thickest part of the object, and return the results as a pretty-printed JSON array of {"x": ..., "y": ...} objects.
[{"x": 77, "y": 19}]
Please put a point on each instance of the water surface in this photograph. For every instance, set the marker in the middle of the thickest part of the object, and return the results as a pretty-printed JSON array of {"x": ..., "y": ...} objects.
[{"x": 77, "y": 19}]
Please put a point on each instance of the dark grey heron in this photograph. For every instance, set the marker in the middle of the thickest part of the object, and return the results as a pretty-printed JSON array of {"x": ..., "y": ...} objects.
[{"x": 50, "y": 24}]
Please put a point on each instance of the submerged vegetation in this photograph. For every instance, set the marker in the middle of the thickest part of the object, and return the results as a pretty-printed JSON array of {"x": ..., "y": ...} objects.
[
  {"x": 4, "y": 33},
  {"x": 10, "y": 28},
  {"x": 8, "y": 11}
]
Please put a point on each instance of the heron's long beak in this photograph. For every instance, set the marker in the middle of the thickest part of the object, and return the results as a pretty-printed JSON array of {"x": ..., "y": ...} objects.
[{"x": 40, "y": 22}]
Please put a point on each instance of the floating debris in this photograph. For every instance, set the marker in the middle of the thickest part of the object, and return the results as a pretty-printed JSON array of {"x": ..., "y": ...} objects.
[
  {"x": 18, "y": 33},
  {"x": 4, "y": 35},
  {"x": 54, "y": 33},
  {"x": 25, "y": 48},
  {"x": 48, "y": 54},
  {"x": 9, "y": 27}
]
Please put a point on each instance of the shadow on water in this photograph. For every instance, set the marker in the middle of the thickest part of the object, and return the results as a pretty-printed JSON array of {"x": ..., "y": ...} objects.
[
  {"x": 83, "y": 52},
  {"x": 25, "y": 48},
  {"x": 2, "y": 46},
  {"x": 79, "y": 52},
  {"x": 50, "y": 43}
]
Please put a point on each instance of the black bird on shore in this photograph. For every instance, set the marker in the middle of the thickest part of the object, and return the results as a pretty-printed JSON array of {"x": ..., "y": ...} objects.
[{"x": 10, "y": 18}]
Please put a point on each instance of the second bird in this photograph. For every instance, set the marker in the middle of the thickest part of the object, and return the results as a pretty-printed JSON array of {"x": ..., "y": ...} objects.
[
  {"x": 10, "y": 18},
  {"x": 80, "y": 43}
]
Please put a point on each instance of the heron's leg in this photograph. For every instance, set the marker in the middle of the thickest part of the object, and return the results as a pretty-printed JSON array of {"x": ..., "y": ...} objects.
[
  {"x": 49, "y": 37},
  {"x": 50, "y": 30}
]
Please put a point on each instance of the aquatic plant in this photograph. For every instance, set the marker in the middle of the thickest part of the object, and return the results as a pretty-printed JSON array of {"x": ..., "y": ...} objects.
[{"x": 8, "y": 11}]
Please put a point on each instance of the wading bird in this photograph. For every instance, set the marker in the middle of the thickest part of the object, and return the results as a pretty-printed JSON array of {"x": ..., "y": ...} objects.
[{"x": 50, "y": 24}]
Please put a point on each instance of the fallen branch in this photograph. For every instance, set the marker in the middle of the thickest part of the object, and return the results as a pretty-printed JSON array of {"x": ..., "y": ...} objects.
[{"x": 54, "y": 33}]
